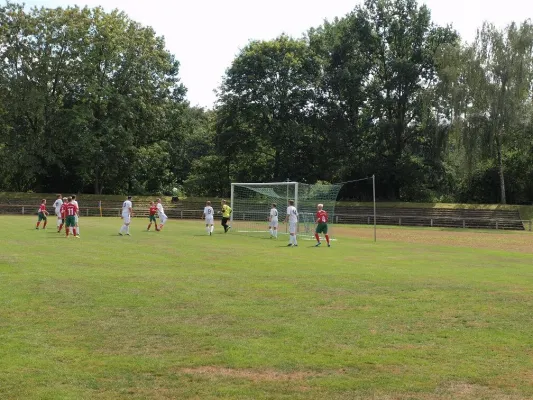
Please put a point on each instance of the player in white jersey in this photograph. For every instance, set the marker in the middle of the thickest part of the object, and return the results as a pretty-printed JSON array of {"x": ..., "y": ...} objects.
[
  {"x": 273, "y": 221},
  {"x": 57, "y": 208},
  {"x": 292, "y": 217},
  {"x": 209, "y": 218},
  {"x": 76, "y": 217},
  {"x": 127, "y": 211},
  {"x": 161, "y": 214}
]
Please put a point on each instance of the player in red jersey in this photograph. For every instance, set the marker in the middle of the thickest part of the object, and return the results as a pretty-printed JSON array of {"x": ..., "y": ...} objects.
[
  {"x": 71, "y": 210},
  {"x": 152, "y": 213},
  {"x": 42, "y": 214},
  {"x": 63, "y": 212},
  {"x": 321, "y": 225}
]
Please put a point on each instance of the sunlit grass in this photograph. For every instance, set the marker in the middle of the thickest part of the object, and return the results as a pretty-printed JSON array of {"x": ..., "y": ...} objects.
[{"x": 178, "y": 314}]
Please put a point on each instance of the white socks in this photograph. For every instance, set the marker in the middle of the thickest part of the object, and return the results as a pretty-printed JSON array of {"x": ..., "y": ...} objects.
[{"x": 212, "y": 228}]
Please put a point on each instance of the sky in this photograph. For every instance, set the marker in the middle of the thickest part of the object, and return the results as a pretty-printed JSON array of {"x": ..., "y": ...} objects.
[{"x": 205, "y": 36}]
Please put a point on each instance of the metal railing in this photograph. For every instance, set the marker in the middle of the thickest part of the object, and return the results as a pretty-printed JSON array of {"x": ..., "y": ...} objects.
[{"x": 360, "y": 219}]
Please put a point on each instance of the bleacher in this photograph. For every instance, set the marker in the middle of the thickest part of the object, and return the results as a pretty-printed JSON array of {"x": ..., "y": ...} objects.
[{"x": 430, "y": 217}]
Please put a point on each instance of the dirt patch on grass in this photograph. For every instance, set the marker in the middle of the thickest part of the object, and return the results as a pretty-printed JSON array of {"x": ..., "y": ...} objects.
[
  {"x": 253, "y": 375},
  {"x": 459, "y": 390},
  {"x": 508, "y": 241}
]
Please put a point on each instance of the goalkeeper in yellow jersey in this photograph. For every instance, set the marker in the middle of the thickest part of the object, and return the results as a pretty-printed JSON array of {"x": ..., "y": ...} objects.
[{"x": 226, "y": 213}]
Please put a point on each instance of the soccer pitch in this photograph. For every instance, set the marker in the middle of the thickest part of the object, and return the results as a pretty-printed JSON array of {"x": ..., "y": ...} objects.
[{"x": 421, "y": 314}]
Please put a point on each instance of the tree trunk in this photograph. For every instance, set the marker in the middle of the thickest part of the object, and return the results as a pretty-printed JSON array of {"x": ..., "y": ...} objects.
[
  {"x": 96, "y": 186},
  {"x": 503, "y": 199}
]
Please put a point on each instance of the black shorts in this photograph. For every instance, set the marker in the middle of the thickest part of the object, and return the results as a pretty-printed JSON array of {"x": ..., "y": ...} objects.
[{"x": 225, "y": 220}]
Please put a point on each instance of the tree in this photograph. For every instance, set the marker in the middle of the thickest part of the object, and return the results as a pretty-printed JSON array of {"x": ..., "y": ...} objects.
[
  {"x": 264, "y": 103},
  {"x": 404, "y": 43},
  {"x": 501, "y": 82},
  {"x": 83, "y": 91}
]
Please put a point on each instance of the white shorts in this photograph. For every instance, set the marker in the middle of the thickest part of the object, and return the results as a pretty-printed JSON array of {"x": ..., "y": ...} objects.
[
  {"x": 273, "y": 223},
  {"x": 292, "y": 227},
  {"x": 58, "y": 214},
  {"x": 209, "y": 221},
  {"x": 126, "y": 218},
  {"x": 162, "y": 218},
  {"x": 76, "y": 218}
]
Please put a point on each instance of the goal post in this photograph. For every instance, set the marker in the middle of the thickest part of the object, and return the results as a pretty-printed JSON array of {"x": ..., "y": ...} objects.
[{"x": 251, "y": 204}]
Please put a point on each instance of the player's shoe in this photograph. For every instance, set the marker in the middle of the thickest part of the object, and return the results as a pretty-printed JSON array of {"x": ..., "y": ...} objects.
[
  {"x": 318, "y": 244},
  {"x": 77, "y": 236},
  {"x": 210, "y": 233},
  {"x": 295, "y": 245},
  {"x": 120, "y": 234},
  {"x": 329, "y": 245},
  {"x": 127, "y": 234},
  {"x": 289, "y": 245}
]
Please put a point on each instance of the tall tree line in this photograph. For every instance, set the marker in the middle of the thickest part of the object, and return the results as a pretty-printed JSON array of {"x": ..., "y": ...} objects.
[{"x": 91, "y": 101}]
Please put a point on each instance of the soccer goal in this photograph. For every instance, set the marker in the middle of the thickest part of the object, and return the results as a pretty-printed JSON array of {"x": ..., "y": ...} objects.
[{"x": 251, "y": 203}]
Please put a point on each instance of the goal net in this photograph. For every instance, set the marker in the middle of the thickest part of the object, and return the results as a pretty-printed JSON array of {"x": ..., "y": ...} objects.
[{"x": 251, "y": 204}]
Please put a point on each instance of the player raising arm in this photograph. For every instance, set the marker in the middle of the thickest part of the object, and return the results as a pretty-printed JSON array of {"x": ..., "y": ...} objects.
[
  {"x": 209, "y": 218},
  {"x": 321, "y": 225},
  {"x": 41, "y": 214},
  {"x": 292, "y": 217},
  {"x": 273, "y": 221},
  {"x": 127, "y": 211}
]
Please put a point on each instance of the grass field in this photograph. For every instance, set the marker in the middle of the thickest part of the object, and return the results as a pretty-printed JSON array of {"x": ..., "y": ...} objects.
[{"x": 421, "y": 314}]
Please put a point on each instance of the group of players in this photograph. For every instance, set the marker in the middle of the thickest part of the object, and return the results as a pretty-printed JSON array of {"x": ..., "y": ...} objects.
[
  {"x": 155, "y": 208},
  {"x": 292, "y": 218},
  {"x": 67, "y": 212}
]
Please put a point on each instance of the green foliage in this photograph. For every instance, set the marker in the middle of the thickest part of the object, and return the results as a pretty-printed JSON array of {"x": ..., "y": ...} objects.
[
  {"x": 86, "y": 96},
  {"x": 91, "y": 101}
]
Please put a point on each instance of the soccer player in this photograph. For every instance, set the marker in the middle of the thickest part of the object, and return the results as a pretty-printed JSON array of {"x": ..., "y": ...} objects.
[
  {"x": 71, "y": 209},
  {"x": 62, "y": 212},
  {"x": 41, "y": 214},
  {"x": 226, "y": 213},
  {"x": 76, "y": 217},
  {"x": 209, "y": 220},
  {"x": 127, "y": 211},
  {"x": 161, "y": 214},
  {"x": 152, "y": 212},
  {"x": 321, "y": 225},
  {"x": 292, "y": 217},
  {"x": 57, "y": 208},
  {"x": 273, "y": 221}
]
